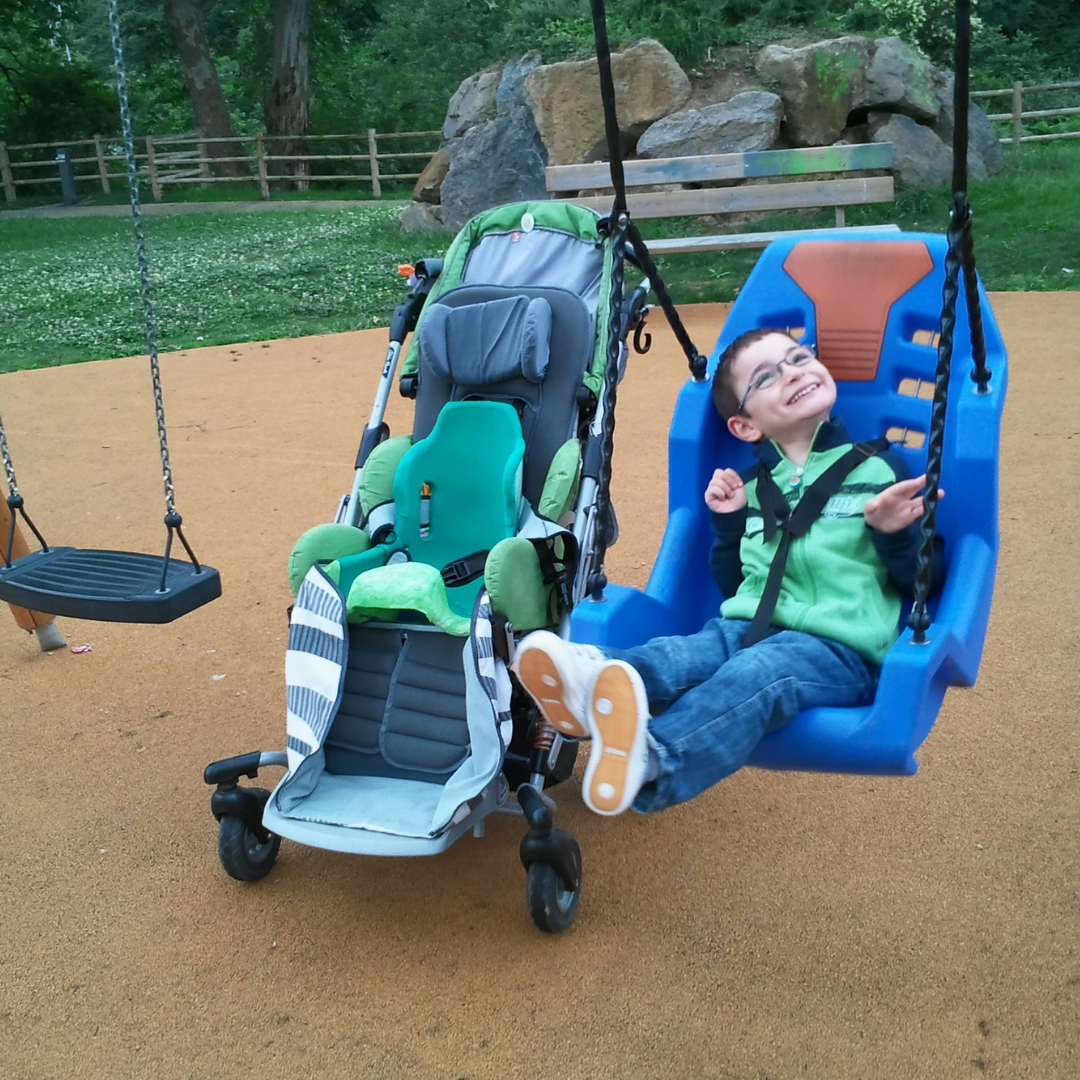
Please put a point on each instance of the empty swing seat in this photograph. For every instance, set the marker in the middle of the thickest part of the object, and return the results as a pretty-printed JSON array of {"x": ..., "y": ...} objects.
[
  {"x": 872, "y": 305},
  {"x": 108, "y": 586}
]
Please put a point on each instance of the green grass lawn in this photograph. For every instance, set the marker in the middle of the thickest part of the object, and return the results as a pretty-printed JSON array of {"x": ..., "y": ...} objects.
[{"x": 69, "y": 289}]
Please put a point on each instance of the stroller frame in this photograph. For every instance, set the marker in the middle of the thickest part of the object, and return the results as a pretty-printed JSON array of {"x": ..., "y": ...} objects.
[{"x": 535, "y": 756}]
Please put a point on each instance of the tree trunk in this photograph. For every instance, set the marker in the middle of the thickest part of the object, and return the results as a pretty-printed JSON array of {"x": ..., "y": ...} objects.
[
  {"x": 184, "y": 19},
  {"x": 286, "y": 110}
]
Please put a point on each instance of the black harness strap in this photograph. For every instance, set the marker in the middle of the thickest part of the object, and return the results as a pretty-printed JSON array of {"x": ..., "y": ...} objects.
[{"x": 792, "y": 524}]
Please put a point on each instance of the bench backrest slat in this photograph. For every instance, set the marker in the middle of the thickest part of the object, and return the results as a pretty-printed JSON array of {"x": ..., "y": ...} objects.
[
  {"x": 755, "y": 198},
  {"x": 749, "y": 165}
]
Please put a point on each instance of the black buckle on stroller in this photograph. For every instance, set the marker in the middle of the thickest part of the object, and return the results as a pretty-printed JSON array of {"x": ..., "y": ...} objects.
[{"x": 462, "y": 571}]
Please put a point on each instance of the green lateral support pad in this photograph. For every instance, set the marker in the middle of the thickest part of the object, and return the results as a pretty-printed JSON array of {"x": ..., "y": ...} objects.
[
  {"x": 516, "y": 585},
  {"x": 377, "y": 479},
  {"x": 324, "y": 543}
]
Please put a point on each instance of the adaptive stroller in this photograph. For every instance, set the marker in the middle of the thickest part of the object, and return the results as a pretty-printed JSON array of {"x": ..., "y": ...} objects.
[{"x": 404, "y": 726}]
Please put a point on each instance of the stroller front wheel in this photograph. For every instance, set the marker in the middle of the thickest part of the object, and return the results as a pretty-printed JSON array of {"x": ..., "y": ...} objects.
[
  {"x": 243, "y": 854},
  {"x": 552, "y": 906}
]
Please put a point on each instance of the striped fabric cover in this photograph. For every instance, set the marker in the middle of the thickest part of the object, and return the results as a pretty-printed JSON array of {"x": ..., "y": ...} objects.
[
  {"x": 314, "y": 665},
  {"x": 317, "y": 654},
  {"x": 491, "y": 671}
]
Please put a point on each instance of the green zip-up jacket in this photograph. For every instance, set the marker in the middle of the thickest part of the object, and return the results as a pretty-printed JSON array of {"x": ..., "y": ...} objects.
[{"x": 843, "y": 580}]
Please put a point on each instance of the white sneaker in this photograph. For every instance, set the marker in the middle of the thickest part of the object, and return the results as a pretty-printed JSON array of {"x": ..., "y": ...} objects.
[
  {"x": 559, "y": 676},
  {"x": 618, "y": 720}
]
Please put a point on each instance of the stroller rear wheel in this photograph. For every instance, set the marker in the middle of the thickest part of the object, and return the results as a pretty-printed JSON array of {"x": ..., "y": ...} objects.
[
  {"x": 552, "y": 905},
  {"x": 244, "y": 854}
]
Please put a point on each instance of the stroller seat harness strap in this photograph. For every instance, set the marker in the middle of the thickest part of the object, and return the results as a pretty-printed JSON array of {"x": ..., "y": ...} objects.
[{"x": 778, "y": 515}]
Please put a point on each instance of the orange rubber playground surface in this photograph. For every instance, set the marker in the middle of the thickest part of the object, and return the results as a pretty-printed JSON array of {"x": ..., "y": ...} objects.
[{"x": 781, "y": 927}]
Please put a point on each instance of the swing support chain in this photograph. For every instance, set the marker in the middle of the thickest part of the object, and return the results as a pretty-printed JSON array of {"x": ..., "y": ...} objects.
[
  {"x": 15, "y": 502},
  {"x": 173, "y": 521},
  {"x": 960, "y": 221},
  {"x": 694, "y": 358},
  {"x": 960, "y": 257}
]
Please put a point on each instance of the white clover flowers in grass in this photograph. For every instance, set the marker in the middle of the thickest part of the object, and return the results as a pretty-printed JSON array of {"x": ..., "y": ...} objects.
[{"x": 70, "y": 289}]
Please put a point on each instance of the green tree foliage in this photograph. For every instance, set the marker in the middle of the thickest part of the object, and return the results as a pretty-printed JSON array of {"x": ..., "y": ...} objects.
[
  {"x": 393, "y": 64},
  {"x": 45, "y": 85}
]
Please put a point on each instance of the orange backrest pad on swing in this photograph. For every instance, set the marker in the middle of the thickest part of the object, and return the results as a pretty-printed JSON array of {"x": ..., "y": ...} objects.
[{"x": 853, "y": 285}]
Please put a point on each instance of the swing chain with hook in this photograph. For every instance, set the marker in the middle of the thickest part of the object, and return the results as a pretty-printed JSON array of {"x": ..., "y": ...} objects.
[
  {"x": 9, "y": 468},
  {"x": 140, "y": 252}
]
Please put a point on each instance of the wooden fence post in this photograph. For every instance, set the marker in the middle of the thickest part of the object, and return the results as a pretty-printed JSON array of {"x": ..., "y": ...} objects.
[
  {"x": 260, "y": 154},
  {"x": 204, "y": 158},
  {"x": 1017, "y": 111},
  {"x": 5, "y": 172},
  {"x": 151, "y": 168},
  {"x": 373, "y": 157},
  {"x": 103, "y": 169}
]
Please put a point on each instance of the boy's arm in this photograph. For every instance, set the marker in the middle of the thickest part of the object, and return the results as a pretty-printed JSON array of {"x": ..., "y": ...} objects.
[
  {"x": 899, "y": 549},
  {"x": 725, "y": 561}
]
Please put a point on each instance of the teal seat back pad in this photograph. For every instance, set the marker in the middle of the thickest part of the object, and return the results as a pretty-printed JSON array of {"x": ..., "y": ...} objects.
[{"x": 456, "y": 492}]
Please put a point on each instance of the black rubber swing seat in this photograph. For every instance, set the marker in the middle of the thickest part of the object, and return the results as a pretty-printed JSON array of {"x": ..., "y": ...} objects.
[{"x": 108, "y": 586}]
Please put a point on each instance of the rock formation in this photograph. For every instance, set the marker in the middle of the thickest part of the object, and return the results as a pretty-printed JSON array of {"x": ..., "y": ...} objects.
[{"x": 505, "y": 125}]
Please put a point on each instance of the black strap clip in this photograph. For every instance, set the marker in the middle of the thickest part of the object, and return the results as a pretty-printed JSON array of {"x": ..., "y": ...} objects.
[{"x": 462, "y": 571}]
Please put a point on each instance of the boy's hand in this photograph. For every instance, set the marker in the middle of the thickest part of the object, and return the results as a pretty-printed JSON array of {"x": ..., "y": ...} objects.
[
  {"x": 725, "y": 492},
  {"x": 897, "y": 506}
]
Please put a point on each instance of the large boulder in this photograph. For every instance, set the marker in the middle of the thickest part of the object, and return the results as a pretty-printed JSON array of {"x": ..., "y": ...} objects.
[
  {"x": 748, "y": 121},
  {"x": 472, "y": 103},
  {"x": 501, "y": 161},
  {"x": 821, "y": 86},
  {"x": 920, "y": 158},
  {"x": 421, "y": 217},
  {"x": 511, "y": 91},
  {"x": 900, "y": 79},
  {"x": 983, "y": 142},
  {"x": 565, "y": 100},
  {"x": 430, "y": 183}
]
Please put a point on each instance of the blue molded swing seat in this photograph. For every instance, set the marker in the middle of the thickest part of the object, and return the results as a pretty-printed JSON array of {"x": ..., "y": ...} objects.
[
  {"x": 872, "y": 304},
  {"x": 109, "y": 586}
]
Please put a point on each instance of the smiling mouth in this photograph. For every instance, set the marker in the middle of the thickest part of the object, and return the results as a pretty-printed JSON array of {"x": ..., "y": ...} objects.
[{"x": 802, "y": 393}]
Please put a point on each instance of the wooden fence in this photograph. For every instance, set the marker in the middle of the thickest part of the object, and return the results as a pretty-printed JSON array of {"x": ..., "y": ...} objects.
[
  {"x": 185, "y": 159},
  {"x": 1017, "y": 115}
]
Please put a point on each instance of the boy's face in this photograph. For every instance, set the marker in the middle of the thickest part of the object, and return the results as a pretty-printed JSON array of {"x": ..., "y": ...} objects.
[{"x": 792, "y": 404}]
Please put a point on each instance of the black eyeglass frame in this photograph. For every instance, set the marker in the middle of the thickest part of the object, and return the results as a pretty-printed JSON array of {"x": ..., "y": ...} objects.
[{"x": 811, "y": 354}]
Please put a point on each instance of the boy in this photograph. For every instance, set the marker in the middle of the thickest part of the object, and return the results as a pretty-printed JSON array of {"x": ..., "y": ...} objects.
[{"x": 672, "y": 717}]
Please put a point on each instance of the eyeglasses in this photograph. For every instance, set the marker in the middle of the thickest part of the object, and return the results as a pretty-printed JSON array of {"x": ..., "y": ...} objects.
[{"x": 797, "y": 357}]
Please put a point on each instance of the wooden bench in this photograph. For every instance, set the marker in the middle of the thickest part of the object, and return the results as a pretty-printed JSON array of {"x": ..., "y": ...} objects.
[{"x": 813, "y": 190}]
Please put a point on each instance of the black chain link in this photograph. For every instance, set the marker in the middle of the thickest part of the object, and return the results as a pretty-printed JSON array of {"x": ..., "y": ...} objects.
[
  {"x": 959, "y": 224},
  {"x": 140, "y": 253},
  {"x": 980, "y": 373},
  {"x": 9, "y": 468}
]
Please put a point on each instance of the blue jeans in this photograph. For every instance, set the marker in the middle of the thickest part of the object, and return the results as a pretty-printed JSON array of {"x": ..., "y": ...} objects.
[{"x": 711, "y": 702}]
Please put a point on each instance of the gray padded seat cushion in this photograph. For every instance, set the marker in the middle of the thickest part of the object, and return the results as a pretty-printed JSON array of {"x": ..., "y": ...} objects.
[
  {"x": 402, "y": 710},
  {"x": 487, "y": 343},
  {"x": 548, "y": 409}
]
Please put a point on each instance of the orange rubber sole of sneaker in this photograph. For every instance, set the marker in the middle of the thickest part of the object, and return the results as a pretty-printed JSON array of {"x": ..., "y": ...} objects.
[
  {"x": 616, "y": 713},
  {"x": 540, "y": 676}
]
